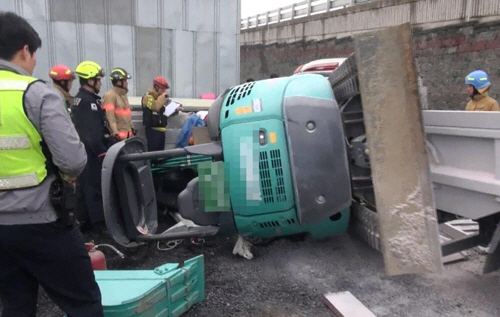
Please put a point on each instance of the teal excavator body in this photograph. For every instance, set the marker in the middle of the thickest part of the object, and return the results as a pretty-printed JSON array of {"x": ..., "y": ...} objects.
[{"x": 277, "y": 165}]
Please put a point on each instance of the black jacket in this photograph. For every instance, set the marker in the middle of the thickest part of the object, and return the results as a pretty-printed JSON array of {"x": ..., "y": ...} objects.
[{"x": 90, "y": 122}]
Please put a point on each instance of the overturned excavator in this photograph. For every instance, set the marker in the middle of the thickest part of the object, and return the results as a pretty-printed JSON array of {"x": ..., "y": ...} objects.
[
  {"x": 310, "y": 154},
  {"x": 277, "y": 165}
]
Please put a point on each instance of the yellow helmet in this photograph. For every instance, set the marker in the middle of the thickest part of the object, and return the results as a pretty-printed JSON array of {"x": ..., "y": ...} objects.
[{"x": 88, "y": 70}]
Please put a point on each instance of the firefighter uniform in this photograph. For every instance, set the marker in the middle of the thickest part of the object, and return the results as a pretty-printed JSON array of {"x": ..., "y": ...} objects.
[
  {"x": 38, "y": 249},
  {"x": 118, "y": 112},
  {"x": 480, "y": 100},
  {"x": 117, "y": 107},
  {"x": 68, "y": 99},
  {"x": 63, "y": 78},
  {"x": 90, "y": 122},
  {"x": 153, "y": 107}
]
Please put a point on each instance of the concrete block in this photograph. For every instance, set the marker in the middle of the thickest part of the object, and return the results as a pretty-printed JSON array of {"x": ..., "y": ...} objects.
[
  {"x": 205, "y": 68},
  {"x": 313, "y": 28},
  {"x": 94, "y": 35},
  {"x": 167, "y": 54},
  {"x": 65, "y": 52},
  {"x": 272, "y": 36},
  {"x": 42, "y": 54},
  {"x": 121, "y": 12},
  {"x": 122, "y": 55},
  {"x": 34, "y": 10},
  {"x": 147, "y": 56},
  {"x": 183, "y": 81},
  {"x": 397, "y": 145},
  {"x": 201, "y": 15},
  {"x": 298, "y": 31},
  {"x": 228, "y": 61},
  {"x": 172, "y": 14},
  {"x": 286, "y": 32},
  {"x": 147, "y": 13},
  {"x": 93, "y": 11},
  {"x": 63, "y": 10},
  {"x": 229, "y": 20}
]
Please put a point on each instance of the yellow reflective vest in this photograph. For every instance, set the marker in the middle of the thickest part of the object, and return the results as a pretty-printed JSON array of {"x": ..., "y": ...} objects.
[{"x": 22, "y": 162}]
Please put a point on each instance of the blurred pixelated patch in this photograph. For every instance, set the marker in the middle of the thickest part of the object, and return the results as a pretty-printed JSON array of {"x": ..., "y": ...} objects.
[{"x": 214, "y": 186}]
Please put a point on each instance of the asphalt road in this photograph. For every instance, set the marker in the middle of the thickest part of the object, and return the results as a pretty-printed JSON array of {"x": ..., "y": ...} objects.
[{"x": 288, "y": 277}]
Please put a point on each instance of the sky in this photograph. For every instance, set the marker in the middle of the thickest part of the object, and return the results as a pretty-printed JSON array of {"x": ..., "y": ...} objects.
[{"x": 253, "y": 7}]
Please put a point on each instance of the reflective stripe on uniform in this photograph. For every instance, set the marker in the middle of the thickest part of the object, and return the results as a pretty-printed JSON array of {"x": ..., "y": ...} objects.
[
  {"x": 109, "y": 107},
  {"x": 21, "y": 181},
  {"x": 125, "y": 134},
  {"x": 123, "y": 112},
  {"x": 14, "y": 142},
  {"x": 20, "y": 85}
]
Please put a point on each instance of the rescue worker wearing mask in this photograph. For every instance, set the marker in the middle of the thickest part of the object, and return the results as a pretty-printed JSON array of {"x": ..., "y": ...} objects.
[
  {"x": 117, "y": 107},
  {"x": 153, "y": 107},
  {"x": 478, "y": 86},
  {"x": 63, "y": 78},
  {"x": 90, "y": 123}
]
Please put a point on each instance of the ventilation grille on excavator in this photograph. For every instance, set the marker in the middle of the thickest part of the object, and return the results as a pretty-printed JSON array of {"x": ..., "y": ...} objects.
[
  {"x": 239, "y": 92},
  {"x": 270, "y": 165},
  {"x": 272, "y": 224}
]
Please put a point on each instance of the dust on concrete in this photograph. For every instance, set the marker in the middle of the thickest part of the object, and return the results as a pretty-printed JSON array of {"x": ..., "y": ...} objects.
[
  {"x": 288, "y": 278},
  {"x": 409, "y": 243}
]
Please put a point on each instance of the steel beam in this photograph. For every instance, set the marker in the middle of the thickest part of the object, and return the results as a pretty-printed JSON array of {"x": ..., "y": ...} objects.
[{"x": 403, "y": 190}]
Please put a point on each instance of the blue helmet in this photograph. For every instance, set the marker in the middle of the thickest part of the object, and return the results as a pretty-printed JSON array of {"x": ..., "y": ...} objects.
[{"x": 479, "y": 79}]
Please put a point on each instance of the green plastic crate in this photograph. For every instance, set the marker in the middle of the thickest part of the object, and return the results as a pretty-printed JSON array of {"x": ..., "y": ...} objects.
[{"x": 167, "y": 291}]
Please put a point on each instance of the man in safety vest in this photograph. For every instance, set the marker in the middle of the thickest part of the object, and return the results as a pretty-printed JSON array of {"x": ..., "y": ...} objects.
[
  {"x": 63, "y": 78},
  {"x": 38, "y": 142},
  {"x": 153, "y": 107},
  {"x": 117, "y": 107},
  {"x": 90, "y": 122}
]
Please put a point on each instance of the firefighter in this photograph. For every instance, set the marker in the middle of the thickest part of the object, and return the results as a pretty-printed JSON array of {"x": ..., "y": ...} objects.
[
  {"x": 39, "y": 147},
  {"x": 117, "y": 107},
  {"x": 478, "y": 85},
  {"x": 90, "y": 122},
  {"x": 153, "y": 107},
  {"x": 63, "y": 78}
]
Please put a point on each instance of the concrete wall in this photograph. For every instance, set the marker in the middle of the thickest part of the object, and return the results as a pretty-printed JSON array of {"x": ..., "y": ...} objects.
[
  {"x": 446, "y": 55},
  {"x": 193, "y": 43},
  {"x": 446, "y": 52}
]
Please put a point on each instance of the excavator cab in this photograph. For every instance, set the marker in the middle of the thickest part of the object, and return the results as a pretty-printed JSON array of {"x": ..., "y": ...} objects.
[{"x": 277, "y": 165}]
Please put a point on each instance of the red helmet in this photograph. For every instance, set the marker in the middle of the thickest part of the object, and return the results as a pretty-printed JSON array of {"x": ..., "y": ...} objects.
[
  {"x": 161, "y": 81},
  {"x": 61, "y": 72}
]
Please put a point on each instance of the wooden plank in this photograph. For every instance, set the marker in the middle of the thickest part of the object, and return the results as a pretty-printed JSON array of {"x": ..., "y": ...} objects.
[
  {"x": 344, "y": 304},
  {"x": 396, "y": 141}
]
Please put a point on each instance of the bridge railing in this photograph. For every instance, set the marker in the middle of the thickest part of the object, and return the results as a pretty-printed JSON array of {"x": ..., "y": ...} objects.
[{"x": 296, "y": 10}]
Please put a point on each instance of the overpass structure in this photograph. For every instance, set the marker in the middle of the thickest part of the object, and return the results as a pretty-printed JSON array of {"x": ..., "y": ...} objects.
[{"x": 451, "y": 38}]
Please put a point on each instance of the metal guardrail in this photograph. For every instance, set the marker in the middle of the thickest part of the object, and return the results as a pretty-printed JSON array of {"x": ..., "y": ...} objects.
[{"x": 297, "y": 10}]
